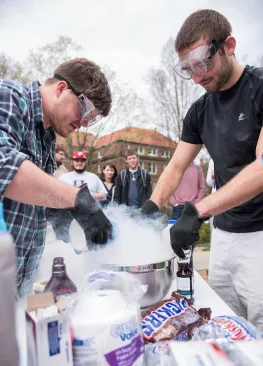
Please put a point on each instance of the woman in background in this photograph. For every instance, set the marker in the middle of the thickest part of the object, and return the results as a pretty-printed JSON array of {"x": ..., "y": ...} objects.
[{"x": 108, "y": 178}]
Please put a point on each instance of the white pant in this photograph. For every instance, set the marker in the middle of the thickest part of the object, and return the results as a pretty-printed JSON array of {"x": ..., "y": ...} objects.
[
  {"x": 211, "y": 223},
  {"x": 236, "y": 272}
]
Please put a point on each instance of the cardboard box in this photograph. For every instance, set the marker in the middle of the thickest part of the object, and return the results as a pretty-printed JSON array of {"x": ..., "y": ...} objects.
[{"x": 50, "y": 334}]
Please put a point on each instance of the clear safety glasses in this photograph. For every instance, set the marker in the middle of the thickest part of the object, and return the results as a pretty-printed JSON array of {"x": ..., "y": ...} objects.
[
  {"x": 84, "y": 108},
  {"x": 86, "y": 111},
  {"x": 197, "y": 62}
]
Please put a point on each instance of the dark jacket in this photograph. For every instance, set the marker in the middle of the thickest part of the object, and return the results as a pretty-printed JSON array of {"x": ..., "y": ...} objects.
[{"x": 122, "y": 190}]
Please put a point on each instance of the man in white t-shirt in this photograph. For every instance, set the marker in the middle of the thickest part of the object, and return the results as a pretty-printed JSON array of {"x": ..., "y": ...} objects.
[{"x": 80, "y": 176}]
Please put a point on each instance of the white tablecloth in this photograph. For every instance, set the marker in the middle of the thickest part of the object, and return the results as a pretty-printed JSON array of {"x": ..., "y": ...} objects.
[{"x": 204, "y": 297}]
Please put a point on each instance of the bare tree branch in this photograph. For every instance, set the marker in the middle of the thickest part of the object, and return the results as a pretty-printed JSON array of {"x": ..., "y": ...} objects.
[
  {"x": 9, "y": 69},
  {"x": 44, "y": 60},
  {"x": 172, "y": 96}
]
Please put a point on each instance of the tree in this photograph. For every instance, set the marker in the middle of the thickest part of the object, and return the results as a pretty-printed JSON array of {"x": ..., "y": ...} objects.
[
  {"x": 127, "y": 107},
  {"x": 171, "y": 95},
  {"x": 44, "y": 60},
  {"x": 9, "y": 69}
]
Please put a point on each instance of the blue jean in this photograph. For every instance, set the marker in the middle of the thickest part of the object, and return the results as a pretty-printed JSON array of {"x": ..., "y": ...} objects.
[{"x": 177, "y": 211}]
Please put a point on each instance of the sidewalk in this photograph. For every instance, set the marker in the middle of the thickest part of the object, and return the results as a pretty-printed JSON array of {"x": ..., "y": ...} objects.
[{"x": 201, "y": 262}]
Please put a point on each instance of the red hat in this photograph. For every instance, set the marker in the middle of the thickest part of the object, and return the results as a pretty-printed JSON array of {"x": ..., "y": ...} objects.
[{"x": 79, "y": 155}]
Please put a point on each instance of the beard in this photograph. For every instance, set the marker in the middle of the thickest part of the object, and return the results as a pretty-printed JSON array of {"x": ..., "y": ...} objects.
[
  {"x": 222, "y": 77},
  {"x": 79, "y": 170},
  {"x": 59, "y": 163},
  {"x": 224, "y": 73}
]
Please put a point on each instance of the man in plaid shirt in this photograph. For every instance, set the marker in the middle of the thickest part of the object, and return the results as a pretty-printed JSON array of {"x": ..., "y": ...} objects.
[{"x": 30, "y": 116}]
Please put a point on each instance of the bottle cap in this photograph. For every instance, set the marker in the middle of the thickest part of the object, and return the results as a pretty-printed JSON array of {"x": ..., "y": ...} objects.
[{"x": 3, "y": 227}]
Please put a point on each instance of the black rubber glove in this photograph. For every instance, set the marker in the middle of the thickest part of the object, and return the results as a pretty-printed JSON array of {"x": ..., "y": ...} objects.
[
  {"x": 185, "y": 232},
  {"x": 150, "y": 209},
  {"x": 60, "y": 221},
  {"x": 88, "y": 214},
  {"x": 97, "y": 228}
]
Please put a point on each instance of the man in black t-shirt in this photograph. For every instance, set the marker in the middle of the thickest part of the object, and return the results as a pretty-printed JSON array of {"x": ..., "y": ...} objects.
[{"x": 227, "y": 119}]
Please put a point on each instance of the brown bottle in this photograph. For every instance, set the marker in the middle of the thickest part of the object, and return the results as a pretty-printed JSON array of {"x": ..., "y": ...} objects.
[
  {"x": 185, "y": 281},
  {"x": 59, "y": 283}
]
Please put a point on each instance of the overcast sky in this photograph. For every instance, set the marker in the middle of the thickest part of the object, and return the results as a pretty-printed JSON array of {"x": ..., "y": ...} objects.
[{"x": 128, "y": 35}]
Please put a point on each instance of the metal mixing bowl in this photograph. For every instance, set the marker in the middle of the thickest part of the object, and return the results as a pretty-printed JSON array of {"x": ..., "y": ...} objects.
[{"x": 158, "y": 277}]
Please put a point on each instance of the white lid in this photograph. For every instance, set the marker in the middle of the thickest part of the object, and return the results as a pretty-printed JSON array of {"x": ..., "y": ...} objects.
[{"x": 98, "y": 307}]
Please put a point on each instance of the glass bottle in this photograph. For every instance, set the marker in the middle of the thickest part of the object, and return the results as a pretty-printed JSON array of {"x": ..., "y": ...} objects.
[
  {"x": 59, "y": 283},
  {"x": 185, "y": 281}
]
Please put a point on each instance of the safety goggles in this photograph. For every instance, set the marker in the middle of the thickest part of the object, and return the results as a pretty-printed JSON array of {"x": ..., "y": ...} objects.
[
  {"x": 84, "y": 108},
  {"x": 198, "y": 61}
]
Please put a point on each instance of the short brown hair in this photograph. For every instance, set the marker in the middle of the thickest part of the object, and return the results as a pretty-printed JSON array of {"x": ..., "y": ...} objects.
[
  {"x": 86, "y": 77},
  {"x": 207, "y": 24},
  {"x": 130, "y": 153},
  {"x": 59, "y": 148}
]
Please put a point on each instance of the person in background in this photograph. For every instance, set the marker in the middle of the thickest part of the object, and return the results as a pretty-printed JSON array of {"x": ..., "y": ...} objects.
[
  {"x": 210, "y": 181},
  {"x": 60, "y": 157},
  {"x": 133, "y": 187},
  {"x": 79, "y": 177},
  {"x": 30, "y": 117},
  {"x": 108, "y": 177},
  {"x": 191, "y": 189}
]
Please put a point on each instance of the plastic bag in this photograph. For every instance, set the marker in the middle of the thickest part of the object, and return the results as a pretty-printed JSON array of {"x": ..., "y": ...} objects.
[
  {"x": 131, "y": 288},
  {"x": 158, "y": 354},
  {"x": 105, "y": 320},
  {"x": 232, "y": 328}
]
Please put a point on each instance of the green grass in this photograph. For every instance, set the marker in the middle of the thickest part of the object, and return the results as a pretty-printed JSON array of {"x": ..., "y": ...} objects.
[{"x": 205, "y": 235}]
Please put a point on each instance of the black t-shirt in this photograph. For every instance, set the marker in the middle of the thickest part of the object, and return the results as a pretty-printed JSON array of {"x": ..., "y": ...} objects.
[{"x": 228, "y": 123}]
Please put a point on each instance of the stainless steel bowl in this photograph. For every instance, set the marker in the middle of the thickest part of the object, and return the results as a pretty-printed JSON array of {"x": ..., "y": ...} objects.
[{"x": 158, "y": 277}]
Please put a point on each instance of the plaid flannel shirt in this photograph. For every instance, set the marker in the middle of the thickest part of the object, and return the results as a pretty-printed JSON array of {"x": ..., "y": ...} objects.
[{"x": 23, "y": 136}]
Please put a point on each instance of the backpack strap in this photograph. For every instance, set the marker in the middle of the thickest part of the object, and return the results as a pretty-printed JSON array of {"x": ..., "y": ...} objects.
[
  {"x": 123, "y": 176},
  {"x": 113, "y": 194},
  {"x": 143, "y": 175}
]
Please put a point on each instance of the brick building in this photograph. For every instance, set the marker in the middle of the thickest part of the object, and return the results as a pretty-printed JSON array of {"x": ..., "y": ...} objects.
[{"x": 154, "y": 149}]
